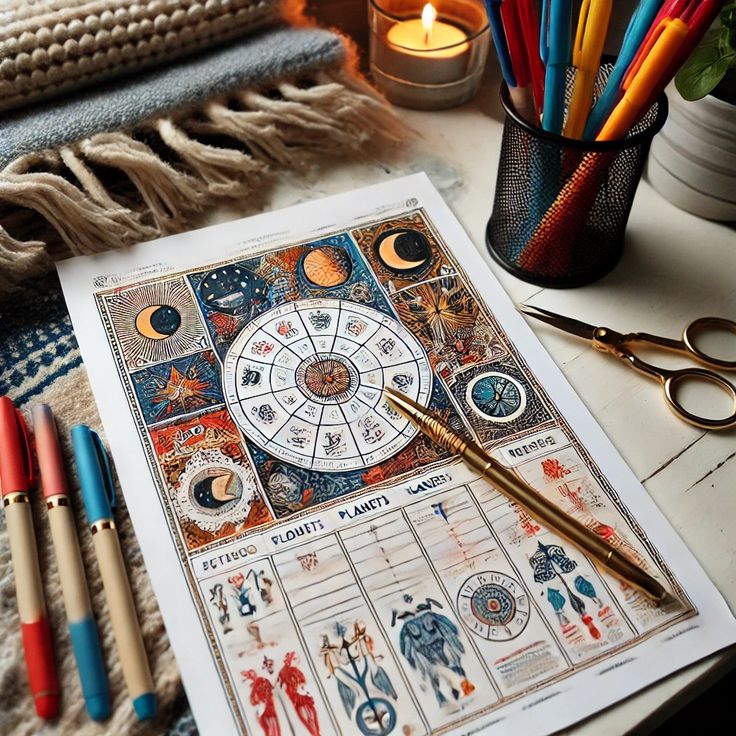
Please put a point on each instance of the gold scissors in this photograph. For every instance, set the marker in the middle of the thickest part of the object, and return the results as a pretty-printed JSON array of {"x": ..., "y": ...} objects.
[{"x": 609, "y": 341}]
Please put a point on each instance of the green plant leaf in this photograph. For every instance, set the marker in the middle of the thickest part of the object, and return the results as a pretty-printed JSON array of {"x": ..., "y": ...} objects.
[
  {"x": 728, "y": 15},
  {"x": 704, "y": 69}
]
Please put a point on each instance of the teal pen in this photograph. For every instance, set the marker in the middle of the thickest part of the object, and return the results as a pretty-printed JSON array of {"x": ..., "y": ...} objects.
[
  {"x": 638, "y": 27},
  {"x": 98, "y": 494},
  {"x": 82, "y": 626},
  {"x": 555, "y": 48}
]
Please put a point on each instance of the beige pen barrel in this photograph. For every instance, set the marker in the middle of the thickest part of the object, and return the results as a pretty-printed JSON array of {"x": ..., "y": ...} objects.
[
  {"x": 34, "y": 625},
  {"x": 68, "y": 559},
  {"x": 29, "y": 591},
  {"x": 123, "y": 615}
]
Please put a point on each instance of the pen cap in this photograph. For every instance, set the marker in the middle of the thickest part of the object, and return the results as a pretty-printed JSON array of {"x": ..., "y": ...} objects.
[
  {"x": 15, "y": 454},
  {"x": 50, "y": 461},
  {"x": 95, "y": 476},
  {"x": 590, "y": 36}
]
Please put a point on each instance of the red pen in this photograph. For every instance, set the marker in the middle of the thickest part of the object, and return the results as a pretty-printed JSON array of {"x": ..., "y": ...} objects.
[
  {"x": 521, "y": 24},
  {"x": 15, "y": 481}
]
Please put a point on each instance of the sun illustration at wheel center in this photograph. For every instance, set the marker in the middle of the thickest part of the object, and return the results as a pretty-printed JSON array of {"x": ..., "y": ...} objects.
[{"x": 327, "y": 378}]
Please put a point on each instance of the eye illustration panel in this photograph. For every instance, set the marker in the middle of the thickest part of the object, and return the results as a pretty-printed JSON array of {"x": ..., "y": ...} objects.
[{"x": 497, "y": 399}]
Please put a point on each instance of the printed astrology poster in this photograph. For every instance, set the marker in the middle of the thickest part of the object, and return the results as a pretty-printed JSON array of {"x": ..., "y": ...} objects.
[{"x": 321, "y": 567}]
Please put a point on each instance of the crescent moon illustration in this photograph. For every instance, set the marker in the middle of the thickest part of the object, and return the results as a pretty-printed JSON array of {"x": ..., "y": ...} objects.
[
  {"x": 221, "y": 487},
  {"x": 403, "y": 250},
  {"x": 158, "y": 321}
]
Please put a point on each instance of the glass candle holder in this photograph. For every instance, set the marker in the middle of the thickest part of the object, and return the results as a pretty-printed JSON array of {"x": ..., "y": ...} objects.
[{"x": 428, "y": 55}]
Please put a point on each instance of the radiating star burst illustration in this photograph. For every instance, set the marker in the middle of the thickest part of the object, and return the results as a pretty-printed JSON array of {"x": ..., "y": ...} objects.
[
  {"x": 178, "y": 391},
  {"x": 443, "y": 310}
]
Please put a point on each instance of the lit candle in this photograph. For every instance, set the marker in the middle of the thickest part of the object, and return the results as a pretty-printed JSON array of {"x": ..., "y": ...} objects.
[{"x": 426, "y": 50}]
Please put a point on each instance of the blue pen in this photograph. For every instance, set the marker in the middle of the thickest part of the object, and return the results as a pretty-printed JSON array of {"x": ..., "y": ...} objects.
[
  {"x": 555, "y": 48},
  {"x": 638, "y": 27},
  {"x": 82, "y": 627},
  {"x": 98, "y": 494},
  {"x": 493, "y": 8}
]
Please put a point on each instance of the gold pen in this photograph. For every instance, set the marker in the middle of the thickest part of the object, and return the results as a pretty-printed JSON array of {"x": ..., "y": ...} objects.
[{"x": 534, "y": 503}]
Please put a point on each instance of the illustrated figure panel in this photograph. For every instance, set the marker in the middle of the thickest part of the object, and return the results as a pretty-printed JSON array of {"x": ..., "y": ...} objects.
[{"x": 304, "y": 382}]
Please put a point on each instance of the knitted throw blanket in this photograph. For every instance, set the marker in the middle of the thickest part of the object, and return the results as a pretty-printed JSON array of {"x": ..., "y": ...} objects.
[
  {"x": 51, "y": 46},
  {"x": 145, "y": 155}
]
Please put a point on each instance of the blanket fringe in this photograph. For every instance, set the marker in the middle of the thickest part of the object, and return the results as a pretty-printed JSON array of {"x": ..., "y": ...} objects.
[
  {"x": 226, "y": 171},
  {"x": 119, "y": 188},
  {"x": 168, "y": 195},
  {"x": 20, "y": 260}
]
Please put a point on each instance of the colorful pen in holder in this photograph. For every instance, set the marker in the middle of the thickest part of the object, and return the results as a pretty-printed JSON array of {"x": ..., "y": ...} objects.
[{"x": 561, "y": 205}]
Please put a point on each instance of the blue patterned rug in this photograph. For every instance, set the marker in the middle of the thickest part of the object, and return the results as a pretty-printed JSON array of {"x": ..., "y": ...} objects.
[{"x": 38, "y": 352}]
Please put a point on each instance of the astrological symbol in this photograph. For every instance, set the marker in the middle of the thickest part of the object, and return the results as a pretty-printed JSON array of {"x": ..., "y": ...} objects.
[
  {"x": 386, "y": 345},
  {"x": 285, "y": 329},
  {"x": 299, "y": 436},
  {"x": 250, "y": 378},
  {"x": 334, "y": 444},
  {"x": 261, "y": 347},
  {"x": 355, "y": 327},
  {"x": 372, "y": 431},
  {"x": 320, "y": 320},
  {"x": 402, "y": 381},
  {"x": 264, "y": 412}
]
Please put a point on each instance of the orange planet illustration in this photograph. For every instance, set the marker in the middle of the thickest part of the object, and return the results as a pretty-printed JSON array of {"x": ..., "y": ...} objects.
[{"x": 327, "y": 266}]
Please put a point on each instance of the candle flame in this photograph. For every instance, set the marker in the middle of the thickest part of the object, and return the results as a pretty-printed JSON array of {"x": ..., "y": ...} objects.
[{"x": 429, "y": 14}]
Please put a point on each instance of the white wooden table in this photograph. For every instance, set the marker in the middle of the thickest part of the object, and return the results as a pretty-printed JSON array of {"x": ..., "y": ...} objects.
[{"x": 675, "y": 267}]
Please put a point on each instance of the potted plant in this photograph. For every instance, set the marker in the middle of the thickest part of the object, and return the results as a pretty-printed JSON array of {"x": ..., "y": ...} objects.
[{"x": 692, "y": 161}]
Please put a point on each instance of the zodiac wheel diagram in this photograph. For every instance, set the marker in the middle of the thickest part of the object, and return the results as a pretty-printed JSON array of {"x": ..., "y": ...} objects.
[
  {"x": 305, "y": 381},
  {"x": 496, "y": 396},
  {"x": 493, "y": 606}
]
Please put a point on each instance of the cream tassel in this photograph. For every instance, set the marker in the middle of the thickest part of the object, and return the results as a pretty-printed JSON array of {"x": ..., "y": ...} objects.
[
  {"x": 84, "y": 226},
  {"x": 96, "y": 190},
  {"x": 170, "y": 195},
  {"x": 226, "y": 171},
  {"x": 257, "y": 129},
  {"x": 20, "y": 260}
]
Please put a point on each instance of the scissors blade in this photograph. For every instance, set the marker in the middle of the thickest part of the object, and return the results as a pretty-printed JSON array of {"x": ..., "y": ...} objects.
[{"x": 567, "y": 324}]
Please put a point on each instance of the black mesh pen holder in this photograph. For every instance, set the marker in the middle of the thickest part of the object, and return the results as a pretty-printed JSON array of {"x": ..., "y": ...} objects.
[{"x": 561, "y": 205}]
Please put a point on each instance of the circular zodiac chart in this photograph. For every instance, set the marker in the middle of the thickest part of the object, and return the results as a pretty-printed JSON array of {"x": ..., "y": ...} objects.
[
  {"x": 304, "y": 382},
  {"x": 493, "y": 605}
]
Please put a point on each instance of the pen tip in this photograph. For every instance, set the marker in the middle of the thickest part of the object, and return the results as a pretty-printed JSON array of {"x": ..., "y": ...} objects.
[
  {"x": 145, "y": 706},
  {"x": 47, "y": 706},
  {"x": 403, "y": 403}
]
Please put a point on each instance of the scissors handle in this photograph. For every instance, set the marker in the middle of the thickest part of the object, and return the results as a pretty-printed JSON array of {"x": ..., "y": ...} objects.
[
  {"x": 675, "y": 380},
  {"x": 671, "y": 380},
  {"x": 688, "y": 343},
  {"x": 697, "y": 327}
]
